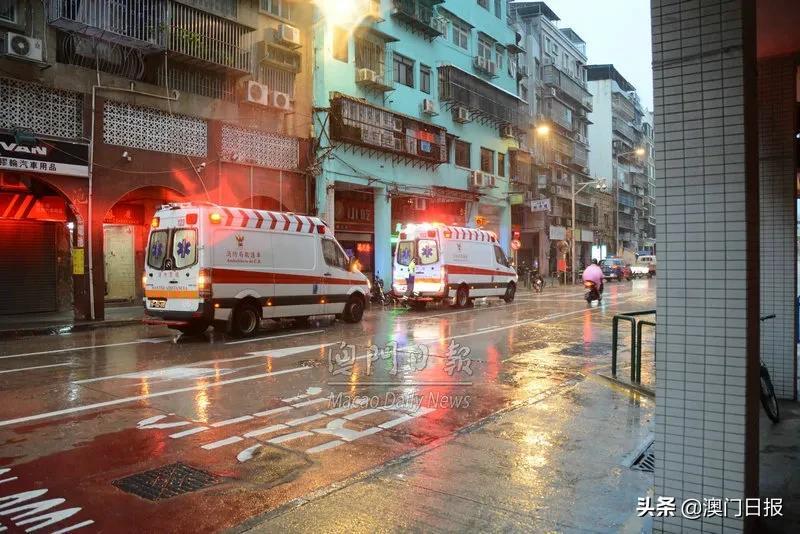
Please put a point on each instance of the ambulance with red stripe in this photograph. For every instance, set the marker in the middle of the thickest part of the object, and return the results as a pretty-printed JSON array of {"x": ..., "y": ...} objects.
[
  {"x": 453, "y": 264},
  {"x": 233, "y": 267}
]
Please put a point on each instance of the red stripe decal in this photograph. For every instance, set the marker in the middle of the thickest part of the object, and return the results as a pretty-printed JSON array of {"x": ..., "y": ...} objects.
[
  {"x": 311, "y": 225},
  {"x": 260, "y": 219},
  {"x": 245, "y": 218},
  {"x": 286, "y": 224},
  {"x": 299, "y": 223},
  {"x": 229, "y": 220},
  {"x": 461, "y": 269},
  {"x": 235, "y": 276},
  {"x": 274, "y": 220}
]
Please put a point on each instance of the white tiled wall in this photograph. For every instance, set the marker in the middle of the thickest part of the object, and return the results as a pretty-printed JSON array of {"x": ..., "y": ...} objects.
[
  {"x": 701, "y": 332},
  {"x": 776, "y": 114}
]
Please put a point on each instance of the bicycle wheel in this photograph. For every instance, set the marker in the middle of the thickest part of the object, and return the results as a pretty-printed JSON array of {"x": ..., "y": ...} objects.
[{"x": 768, "y": 399}]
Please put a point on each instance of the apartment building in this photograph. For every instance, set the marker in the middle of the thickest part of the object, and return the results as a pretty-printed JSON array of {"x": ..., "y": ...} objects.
[
  {"x": 622, "y": 153},
  {"x": 416, "y": 114}
]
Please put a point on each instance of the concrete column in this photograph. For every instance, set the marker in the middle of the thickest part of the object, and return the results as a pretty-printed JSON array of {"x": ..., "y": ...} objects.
[
  {"x": 707, "y": 361},
  {"x": 505, "y": 229},
  {"x": 324, "y": 197},
  {"x": 383, "y": 235}
]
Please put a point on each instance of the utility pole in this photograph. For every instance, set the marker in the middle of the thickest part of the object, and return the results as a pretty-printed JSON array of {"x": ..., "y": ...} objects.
[{"x": 600, "y": 184}]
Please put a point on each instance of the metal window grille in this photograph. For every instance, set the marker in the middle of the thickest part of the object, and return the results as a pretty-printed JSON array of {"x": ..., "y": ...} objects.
[
  {"x": 370, "y": 55},
  {"x": 277, "y": 79},
  {"x": 199, "y": 82},
  {"x": 263, "y": 149},
  {"x": 151, "y": 129},
  {"x": 42, "y": 109}
]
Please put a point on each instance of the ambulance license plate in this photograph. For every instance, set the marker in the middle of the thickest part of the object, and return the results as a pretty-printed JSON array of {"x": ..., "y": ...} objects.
[{"x": 158, "y": 303}]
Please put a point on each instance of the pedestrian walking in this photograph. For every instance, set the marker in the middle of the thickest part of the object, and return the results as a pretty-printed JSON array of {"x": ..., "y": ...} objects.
[{"x": 412, "y": 268}]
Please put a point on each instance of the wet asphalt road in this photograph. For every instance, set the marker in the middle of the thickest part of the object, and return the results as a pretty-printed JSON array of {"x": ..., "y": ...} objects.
[{"x": 270, "y": 419}]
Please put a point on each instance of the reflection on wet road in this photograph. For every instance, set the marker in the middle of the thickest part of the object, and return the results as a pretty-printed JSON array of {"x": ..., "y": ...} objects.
[{"x": 274, "y": 418}]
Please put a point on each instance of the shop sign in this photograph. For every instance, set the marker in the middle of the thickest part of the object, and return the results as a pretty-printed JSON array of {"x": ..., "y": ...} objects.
[
  {"x": 46, "y": 156},
  {"x": 125, "y": 214},
  {"x": 558, "y": 233},
  {"x": 542, "y": 204}
]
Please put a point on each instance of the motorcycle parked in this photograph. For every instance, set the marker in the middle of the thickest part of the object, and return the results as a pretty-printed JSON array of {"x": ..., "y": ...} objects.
[
  {"x": 377, "y": 294},
  {"x": 592, "y": 292},
  {"x": 538, "y": 281}
]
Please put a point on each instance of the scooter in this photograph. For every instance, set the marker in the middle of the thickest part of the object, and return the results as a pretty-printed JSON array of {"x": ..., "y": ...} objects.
[
  {"x": 378, "y": 295},
  {"x": 592, "y": 292},
  {"x": 538, "y": 281}
]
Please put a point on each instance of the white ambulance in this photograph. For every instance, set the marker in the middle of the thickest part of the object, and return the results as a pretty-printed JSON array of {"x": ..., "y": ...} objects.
[
  {"x": 453, "y": 264},
  {"x": 233, "y": 267}
]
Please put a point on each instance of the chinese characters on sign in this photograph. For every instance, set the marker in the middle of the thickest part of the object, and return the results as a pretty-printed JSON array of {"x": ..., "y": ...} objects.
[
  {"x": 412, "y": 358},
  {"x": 51, "y": 157},
  {"x": 709, "y": 507}
]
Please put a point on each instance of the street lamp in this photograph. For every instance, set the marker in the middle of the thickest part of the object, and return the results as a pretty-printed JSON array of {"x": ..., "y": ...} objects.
[
  {"x": 601, "y": 185},
  {"x": 639, "y": 152}
]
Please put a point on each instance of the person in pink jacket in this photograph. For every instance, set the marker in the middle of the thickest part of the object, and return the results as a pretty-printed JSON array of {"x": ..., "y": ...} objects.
[{"x": 593, "y": 273}]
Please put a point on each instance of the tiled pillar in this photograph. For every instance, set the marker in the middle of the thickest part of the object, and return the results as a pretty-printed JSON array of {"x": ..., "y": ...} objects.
[
  {"x": 776, "y": 114},
  {"x": 707, "y": 191},
  {"x": 383, "y": 235}
]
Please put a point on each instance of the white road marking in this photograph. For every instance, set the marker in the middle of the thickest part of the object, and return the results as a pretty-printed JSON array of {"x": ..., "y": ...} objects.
[
  {"x": 273, "y": 411},
  {"x": 325, "y": 446},
  {"x": 273, "y": 337},
  {"x": 485, "y": 328},
  {"x": 188, "y": 432},
  {"x": 35, "y": 367},
  {"x": 362, "y": 413},
  {"x": 222, "y": 443},
  {"x": 87, "y": 347},
  {"x": 265, "y": 430},
  {"x": 232, "y": 421},
  {"x": 74, "y": 527},
  {"x": 337, "y": 411},
  {"x": 395, "y": 422},
  {"x": 290, "y": 437},
  {"x": 282, "y": 353},
  {"x": 309, "y": 402},
  {"x": 308, "y": 419},
  {"x": 152, "y": 423},
  {"x": 248, "y": 453}
]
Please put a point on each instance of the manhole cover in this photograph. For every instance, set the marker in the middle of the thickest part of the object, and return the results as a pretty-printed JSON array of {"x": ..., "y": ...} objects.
[
  {"x": 646, "y": 461},
  {"x": 166, "y": 482}
]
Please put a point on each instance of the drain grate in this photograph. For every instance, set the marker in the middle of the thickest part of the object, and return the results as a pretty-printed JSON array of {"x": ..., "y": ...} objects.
[
  {"x": 166, "y": 482},
  {"x": 646, "y": 461}
]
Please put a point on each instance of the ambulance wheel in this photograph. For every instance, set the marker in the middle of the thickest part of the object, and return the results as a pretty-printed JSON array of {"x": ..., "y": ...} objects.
[
  {"x": 462, "y": 297},
  {"x": 511, "y": 290},
  {"x": 246, "y": 320},
  {"x": 353, "y": 310},
  {"x": 194, "y": 328}
]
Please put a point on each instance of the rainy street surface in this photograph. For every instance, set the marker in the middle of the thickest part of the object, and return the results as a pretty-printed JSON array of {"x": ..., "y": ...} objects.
[{"x": 497, "y": 409}]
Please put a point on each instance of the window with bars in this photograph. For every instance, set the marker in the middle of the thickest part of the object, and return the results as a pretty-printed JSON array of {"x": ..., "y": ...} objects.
[
  {"x": 461, "y": 34},
  {"x": 283, "y": 58},
  {"x": 279, "y": 8},
  {"x": 425, "y": 79},
  {"x": 198, "y": 82},
  {"x": 501, "y": 165},
  {"x": 485, "y": 49},
  {"x": 8, "y": 11},
  {"x": 45, "y": 111},
  {"x": 462, "y": 154},
  {"x": 277, "y": 79},
  {"x": 487, "y": 160},
  {"x": 500, "y": 53},
  {"x": 370, "y": 55},
  {"x": 403, "y": 70},
  {"x": 152, "y": 129},
  {"x": 223, "y": 7}
]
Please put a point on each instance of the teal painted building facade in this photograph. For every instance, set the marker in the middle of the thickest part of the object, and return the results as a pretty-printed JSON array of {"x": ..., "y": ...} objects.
[{"x": 410, "y": 102}]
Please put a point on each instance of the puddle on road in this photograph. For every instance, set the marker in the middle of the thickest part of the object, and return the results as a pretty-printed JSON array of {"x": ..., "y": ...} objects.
[{"x": 271, "y": 466}]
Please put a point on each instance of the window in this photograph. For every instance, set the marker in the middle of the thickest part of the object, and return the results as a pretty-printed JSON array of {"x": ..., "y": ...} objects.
[
  {"x": 487, "y": 160},
  {"x": 523, "y": 91},
  {"x": 501, "y": 165},
  {"x": 8, "y": 11},
  {"x": 512, "y": 68},
  {"x": 403, "y": 70},
  {"x": 425, "y": 79},
  {"x": 500, "y": 54},
  {"x": 428, "y": 251},
  {"x": 223, "y": 7},
  {"x": 461, "y": 34},
  {"x": 484, "y": 4},
  {"x": 277, "y": 79},
  {"x": 370, "y": 55},
  {"x": 333, "y": 255},
  {"x": 184, "y": 248},
  {"x": 157, "y": 249},
  {"x": 405, "y": 251},
  {"x": 341, "y": 40},
  {"x": 498, "y": 9},
  {"x": 279, "y": 8},
  {"x": 500, "y": 256},
  {"x": 485, "y": 49},
  {"x": 462, "y": 154}
]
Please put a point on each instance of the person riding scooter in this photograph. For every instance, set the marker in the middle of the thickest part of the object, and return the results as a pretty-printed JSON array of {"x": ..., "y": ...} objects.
[{"x": 593, "y": 280}]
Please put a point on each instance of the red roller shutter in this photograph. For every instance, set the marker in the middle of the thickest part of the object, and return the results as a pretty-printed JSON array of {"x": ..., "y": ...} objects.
[{"x": 27, "y": 267}]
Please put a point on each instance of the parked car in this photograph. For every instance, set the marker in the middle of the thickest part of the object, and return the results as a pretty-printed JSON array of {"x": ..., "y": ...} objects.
[
  {"x": 645, "y": 265},
  {"x": 615, "y": 269}
]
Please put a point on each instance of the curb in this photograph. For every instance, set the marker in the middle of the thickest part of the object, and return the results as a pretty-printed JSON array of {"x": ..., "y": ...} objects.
[
  {"x": 56, "y": 329},
  {"x": 634, "y": 387}
]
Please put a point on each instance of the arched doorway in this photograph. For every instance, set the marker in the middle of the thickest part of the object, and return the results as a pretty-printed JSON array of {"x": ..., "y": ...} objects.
[
  {"x": 40, "y": 232},
  {"x": 125, "y": 229},
  {"x": 263, "y": 202}
]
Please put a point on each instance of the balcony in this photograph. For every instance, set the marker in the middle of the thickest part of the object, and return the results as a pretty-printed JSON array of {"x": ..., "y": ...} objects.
[
  {"x": 563, "y": 146},
  {"x": 623, "y": 128},
  {"x": 420, "y": 16},
  {"x": 558, "y": 113},
  {"x": 190, "y": 35},
  {"x": 623, "y": 107},
  {"x": 487, "y": 103},
  {"x": 581, "y": 155},
  {"x": 567, "y": 85}
]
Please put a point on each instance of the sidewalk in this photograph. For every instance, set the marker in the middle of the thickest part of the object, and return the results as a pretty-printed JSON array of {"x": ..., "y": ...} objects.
[
  {"x": 554, "y": 463},
  {"x": 59, "y": 323}
]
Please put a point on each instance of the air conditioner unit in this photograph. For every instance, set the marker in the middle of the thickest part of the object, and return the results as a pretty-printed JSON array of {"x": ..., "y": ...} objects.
[
  {"x": 477, "y": 179},
  {"x": 481, "y": 63},
  {"x": 281, "y": 101},
  {"x": 507, "y": 131},
  {"x": 288, "y": 35},
  {"x": 257, "y": 93},
  {"x": 429, "y": 107},
  {"x": 366, "y": 76},
  {"x": 420, "y": 204},
  {"x": 398, "y": 144},
  {"x": 461, "y": 114},
  {"x": 491, "y": 67},
  {"x": 17, "y": 46},
  {"x": 439, "y": 24}
]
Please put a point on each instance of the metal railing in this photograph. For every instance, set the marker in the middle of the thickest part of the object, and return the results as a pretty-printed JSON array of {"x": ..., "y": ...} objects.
[
  {"x": 623, "y": 128},
  {"x": 581, "y": 156},
  {"x": 623, "y": 106},
  {"x": 553, "y": 76},
  {"x": 637, "y": 326}
]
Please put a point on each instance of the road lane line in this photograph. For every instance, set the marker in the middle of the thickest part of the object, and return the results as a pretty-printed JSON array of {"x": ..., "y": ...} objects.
[
  {"x": 325, "y": 446},
  {"x": 265, "y": 430},
  {"x": 290, "y": 437},
  {"x": 309, "y": 402},
  {"x": 222, "y": 443},
  {"x": 273, "y": 411},
  {"x": 55, "y": 351},
  {"x": 232, "y": 421},
  {"x": 308, "y": 419},
  {"x": 189, "y": 432},
  {"x": 36, "y": 367},
  {"x": 273, "y": 337}
]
